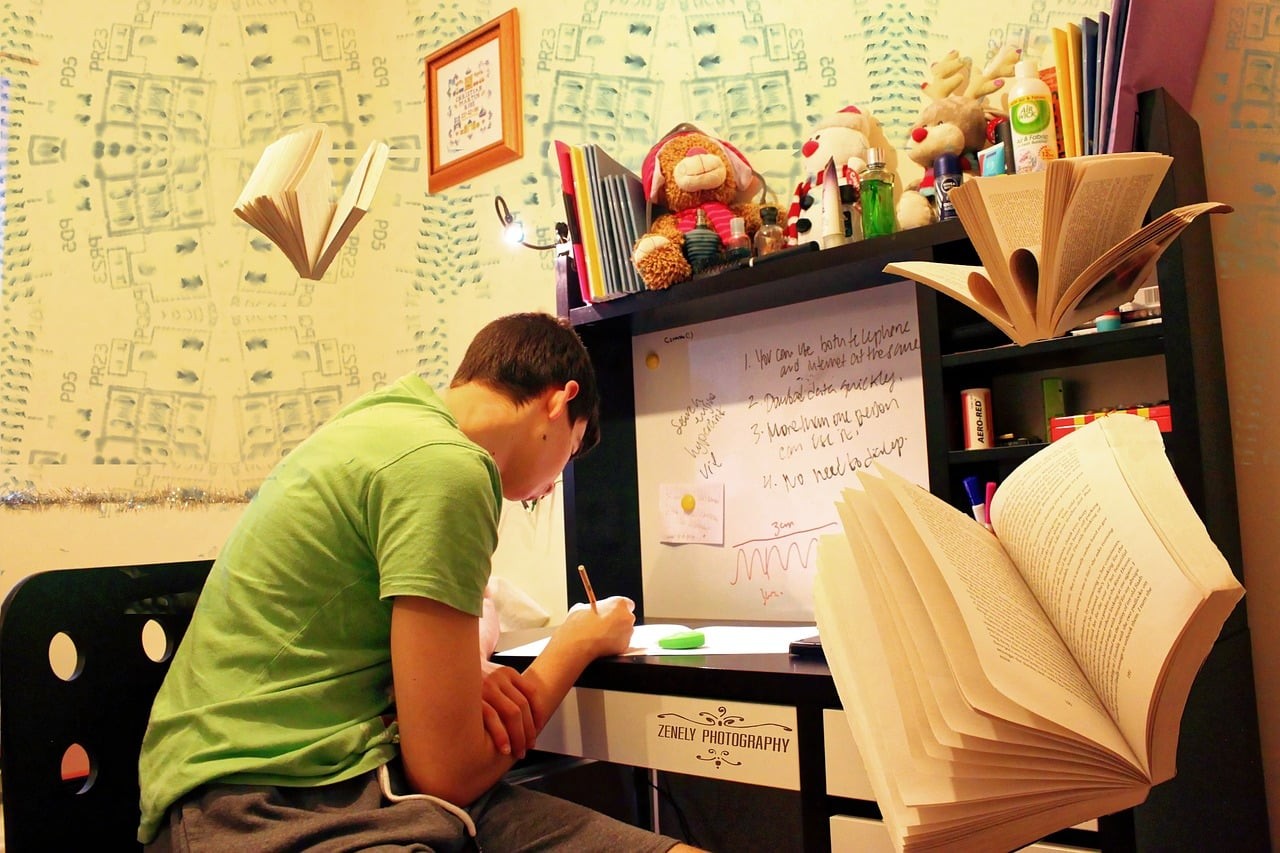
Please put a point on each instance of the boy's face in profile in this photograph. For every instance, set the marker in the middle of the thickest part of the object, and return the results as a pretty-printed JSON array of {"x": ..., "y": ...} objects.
[{"x": 534, "y": 470}]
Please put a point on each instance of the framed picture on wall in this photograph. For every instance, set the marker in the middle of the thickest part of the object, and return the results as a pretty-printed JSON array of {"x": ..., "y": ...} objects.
[{"x": 473, "y": 103}]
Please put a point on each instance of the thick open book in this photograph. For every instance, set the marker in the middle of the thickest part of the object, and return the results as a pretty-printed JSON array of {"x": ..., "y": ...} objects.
[
  {"x": 1058, "y": 247},
  {"x": 289, "y": 197},
  {"x": 1004, "y": 686}
]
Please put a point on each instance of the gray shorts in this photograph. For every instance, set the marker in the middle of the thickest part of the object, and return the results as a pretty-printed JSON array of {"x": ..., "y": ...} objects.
[{"x": 355, "y": 815}]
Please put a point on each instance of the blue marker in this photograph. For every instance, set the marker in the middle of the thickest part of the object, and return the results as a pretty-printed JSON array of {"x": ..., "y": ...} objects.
[{"x": 977, "y": 500}]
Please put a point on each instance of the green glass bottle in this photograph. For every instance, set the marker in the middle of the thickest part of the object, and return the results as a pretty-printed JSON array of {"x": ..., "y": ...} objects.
[{"x": 876, "y": 191}]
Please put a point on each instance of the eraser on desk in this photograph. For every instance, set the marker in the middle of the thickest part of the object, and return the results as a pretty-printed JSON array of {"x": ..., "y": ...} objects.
[{"x": 683, "y": 640}]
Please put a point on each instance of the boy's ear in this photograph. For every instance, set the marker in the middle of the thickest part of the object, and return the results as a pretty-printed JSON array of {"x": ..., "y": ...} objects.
[{"x": 559, "y": 399}]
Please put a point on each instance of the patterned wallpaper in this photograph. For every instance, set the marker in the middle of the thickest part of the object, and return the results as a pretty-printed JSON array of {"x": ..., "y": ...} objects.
[{"x": 155, "y": 346}]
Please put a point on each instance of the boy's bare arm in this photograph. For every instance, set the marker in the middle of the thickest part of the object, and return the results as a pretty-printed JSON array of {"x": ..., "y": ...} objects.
[
  {"x": 441, "y": 700},
  {"x": 580, "y": 639},
  {"x": 443, "y": 742}
]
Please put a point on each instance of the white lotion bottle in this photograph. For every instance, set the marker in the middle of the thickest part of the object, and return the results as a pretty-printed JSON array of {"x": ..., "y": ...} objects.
[{"x": 1035, "y": 139}]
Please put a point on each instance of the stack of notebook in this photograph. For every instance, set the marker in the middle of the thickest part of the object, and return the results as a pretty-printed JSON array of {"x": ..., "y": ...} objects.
[
  {"x": 1098, "y": 65},
  {"x": 606, "y": 211}
]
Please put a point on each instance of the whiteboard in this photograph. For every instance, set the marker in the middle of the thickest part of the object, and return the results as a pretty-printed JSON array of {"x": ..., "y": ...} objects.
[{"x": 748, "y": 427}]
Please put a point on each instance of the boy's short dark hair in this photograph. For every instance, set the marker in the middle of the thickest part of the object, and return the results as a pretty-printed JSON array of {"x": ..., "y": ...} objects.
[{"x": 522, "y": 355}]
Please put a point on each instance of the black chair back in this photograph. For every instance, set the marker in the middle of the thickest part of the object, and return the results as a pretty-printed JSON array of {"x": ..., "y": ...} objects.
[{"x": 98, "y": 712}]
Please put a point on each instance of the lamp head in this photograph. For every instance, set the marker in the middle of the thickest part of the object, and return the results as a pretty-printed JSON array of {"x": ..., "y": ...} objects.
[{"x": 513, "y": 229}]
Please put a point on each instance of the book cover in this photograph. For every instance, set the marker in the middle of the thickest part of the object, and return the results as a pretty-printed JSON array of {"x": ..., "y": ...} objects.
[
  {"x": 1075, "y": 82},
  {"x": 1104, "y": 29},
  {"x": 1145, "y": 59},
  {"x": 1110, "y": 70},
  {"x": 564, "y": 159},
  {"x": 1088, "y": 82},
  {"x": 605, "y": 238},
  {"x": 590, "y": 231},
  {"x": 636, "y": 217},
  {"x": 607, "y": 168},
  {"x": 352, "y": 205},
  {"x": 620, "y": 206},
  {"x": 1066, "y": 103},
  {"x": 620, "y": 248},
  {"x": 1050, "y": 77}
]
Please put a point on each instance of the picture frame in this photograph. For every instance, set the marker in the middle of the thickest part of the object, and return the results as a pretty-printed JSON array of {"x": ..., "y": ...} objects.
[{"x": 473, "y": 103}]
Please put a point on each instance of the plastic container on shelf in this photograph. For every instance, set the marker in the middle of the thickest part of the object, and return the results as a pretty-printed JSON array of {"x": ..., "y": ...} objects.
[{"x": 1035, "y": 139}]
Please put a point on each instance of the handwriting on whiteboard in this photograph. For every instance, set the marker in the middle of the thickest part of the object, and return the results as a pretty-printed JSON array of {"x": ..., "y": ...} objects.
[{"x": 783, "y": 409}]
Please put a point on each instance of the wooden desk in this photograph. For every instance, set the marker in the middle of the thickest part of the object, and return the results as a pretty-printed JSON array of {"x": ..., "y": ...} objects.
[{"x": 770, "y": 719}]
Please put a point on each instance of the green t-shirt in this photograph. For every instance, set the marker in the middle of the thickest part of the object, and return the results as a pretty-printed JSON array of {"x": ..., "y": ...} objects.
[{"x": 284, "y": 676}]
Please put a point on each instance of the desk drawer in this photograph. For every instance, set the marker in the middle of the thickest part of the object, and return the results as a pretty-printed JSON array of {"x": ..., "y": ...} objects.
[
  {"x": 846, "y": 774},
  {"x": 734, "y": 741},
  {"x": 859, "y": 835}
]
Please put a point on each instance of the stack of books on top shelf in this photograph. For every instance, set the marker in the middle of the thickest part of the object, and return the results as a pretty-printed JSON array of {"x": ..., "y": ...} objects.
[
  {"x": 605, "y": 206},
  {"x": 1099, "y": 65}
]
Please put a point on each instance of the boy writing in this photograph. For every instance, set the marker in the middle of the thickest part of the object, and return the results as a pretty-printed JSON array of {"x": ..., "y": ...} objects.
[{"x": 328, "y": 693}]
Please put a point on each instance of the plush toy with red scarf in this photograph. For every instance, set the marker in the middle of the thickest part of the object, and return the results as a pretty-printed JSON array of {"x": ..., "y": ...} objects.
[
  {"x": 843, "y": 140},
  {"x": 686, "y": 172},
  {"x": 954, "y": 121}
]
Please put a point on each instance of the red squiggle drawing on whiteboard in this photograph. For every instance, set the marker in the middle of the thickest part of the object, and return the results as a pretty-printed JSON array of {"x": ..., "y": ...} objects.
[{"x": 774, "y": 553}]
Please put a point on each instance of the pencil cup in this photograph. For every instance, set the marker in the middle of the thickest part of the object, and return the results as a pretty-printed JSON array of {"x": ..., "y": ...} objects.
[{"x": 975, "y": 405}]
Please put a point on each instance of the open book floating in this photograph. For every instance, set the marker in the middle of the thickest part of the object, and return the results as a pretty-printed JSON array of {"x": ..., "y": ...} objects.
[
  {"x": 289, "y": 197},
  {"x": 1003, "y": 686},
  {"x": 1058, "y": 247}
]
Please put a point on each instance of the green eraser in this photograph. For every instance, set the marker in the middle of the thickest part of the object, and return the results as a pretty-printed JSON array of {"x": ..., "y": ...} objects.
[{"x": 683, "y": 640}]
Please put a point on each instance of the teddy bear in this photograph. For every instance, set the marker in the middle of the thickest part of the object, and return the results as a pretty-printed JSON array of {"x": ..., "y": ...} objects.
[
  {"x": 840, "y": 141},
  {"x": 955, "y": 121},
  {"x": 689, "y": 171}
]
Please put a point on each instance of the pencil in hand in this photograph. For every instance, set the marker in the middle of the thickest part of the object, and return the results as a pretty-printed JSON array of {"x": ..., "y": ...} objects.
[{"x": 586, "y": 584}]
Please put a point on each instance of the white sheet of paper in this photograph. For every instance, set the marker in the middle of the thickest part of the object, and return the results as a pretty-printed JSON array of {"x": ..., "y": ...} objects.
[
  {"x": 692, "y": 513},
  {"x": 721, "y": 640}
]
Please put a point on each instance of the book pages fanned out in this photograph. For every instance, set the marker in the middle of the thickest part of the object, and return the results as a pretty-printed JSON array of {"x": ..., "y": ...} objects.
[
  {"x": 289, "y": 197},
  {"x": 1058, "y": 247},
  {"x": 1001, "y": 686}
]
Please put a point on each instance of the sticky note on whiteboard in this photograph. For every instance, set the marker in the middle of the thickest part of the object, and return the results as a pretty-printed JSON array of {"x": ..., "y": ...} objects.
[{"x": 692, "y": 513}]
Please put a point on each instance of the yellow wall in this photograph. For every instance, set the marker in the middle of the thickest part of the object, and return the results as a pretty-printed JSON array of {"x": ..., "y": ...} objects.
[
  {"x": 152, "y": 349},
  {"x": 1238, "y": 109}
]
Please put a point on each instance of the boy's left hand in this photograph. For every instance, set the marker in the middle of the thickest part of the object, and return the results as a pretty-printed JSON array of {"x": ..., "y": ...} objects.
[{"x": 508, "y": 714}]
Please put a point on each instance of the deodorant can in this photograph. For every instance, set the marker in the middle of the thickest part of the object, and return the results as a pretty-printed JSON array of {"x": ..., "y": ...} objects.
[
  {"x": 975, "y": 404},
  {"x": 946, "y": 177}
]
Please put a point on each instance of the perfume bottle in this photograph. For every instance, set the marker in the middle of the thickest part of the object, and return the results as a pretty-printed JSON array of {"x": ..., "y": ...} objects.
[
  {"x": 738, "y": 246},
  {"x": 702, "y": 244},
  {"x": 878, "y": 215},
  {"x": 770, "y": 238}
]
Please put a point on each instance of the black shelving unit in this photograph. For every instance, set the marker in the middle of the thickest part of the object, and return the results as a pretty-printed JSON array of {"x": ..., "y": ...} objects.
[{"x": 1217, "y": 801}]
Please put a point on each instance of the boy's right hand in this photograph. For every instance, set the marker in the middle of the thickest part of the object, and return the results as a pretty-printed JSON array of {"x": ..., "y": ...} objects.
[{"x": 607, "y": 632}]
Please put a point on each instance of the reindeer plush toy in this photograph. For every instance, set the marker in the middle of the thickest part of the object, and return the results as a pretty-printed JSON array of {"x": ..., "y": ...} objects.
[{"x": 954, "y": 121}]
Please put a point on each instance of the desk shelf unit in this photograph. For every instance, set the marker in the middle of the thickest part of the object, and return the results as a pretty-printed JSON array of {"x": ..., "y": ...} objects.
[{"x": 1217, "y": 800}]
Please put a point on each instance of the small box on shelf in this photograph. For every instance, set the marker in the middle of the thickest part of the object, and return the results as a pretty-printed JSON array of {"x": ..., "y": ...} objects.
[{"x": 1065, "y": 425}]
